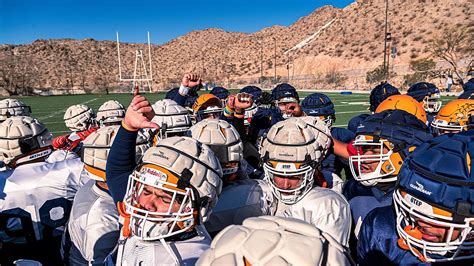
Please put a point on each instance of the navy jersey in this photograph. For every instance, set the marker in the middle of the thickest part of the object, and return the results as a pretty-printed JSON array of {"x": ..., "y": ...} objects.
[{"x": 335, "y": 164}]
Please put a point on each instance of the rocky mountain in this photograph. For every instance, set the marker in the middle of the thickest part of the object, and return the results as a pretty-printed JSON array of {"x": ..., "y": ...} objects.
[{"x": 328, "y": 43}]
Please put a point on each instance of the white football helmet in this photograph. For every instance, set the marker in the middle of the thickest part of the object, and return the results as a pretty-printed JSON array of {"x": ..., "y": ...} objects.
[
  {"x": 270, "y": 240},
  {"x": 173, "y": 119},
  {"x": 182, "y": 178},
  {"x": 79, "y": 117},
  {"x": 321, "y": 130},
  {"x": 291, "y": 151},
  {"x": 224, "y": 141},
  {"x": 110, "y": 113},
  {"x": 96, "y": 148},
  {"x": 13, "y": 107},
  {"x": 22, "y": 140}
]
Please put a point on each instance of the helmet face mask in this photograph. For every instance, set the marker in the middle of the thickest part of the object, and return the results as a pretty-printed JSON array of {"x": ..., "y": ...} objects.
[
  {"x": 381, "y": 152},
  {"x": 302, "y": 176},
  {"x": 457, "y": 242},
  {"x": 432, "y": 103},
  {"x": 174, "y": 211}
]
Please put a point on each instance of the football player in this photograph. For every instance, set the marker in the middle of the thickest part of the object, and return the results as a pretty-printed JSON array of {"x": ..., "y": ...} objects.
[
  {"x": 241, "y": 197},
  {"x": 291, "y": 156},
  {"x": 429, "y": 97},
  {"x": 165, "y": 198},
  {"x": 13, "y": 107},
  {"x": 433, "y": 212},
  {"x": 173, "y": 119},
  {"x": 93, "y": 226},
  {"x": 36, "y": 195},
  {"x": 453, "y": 117},
  {"x": 110, "y": 113}
]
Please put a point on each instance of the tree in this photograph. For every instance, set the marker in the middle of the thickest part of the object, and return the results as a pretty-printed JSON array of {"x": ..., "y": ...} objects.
[
  {"x": 333, "y": 77},
  {"x": 453, "y": 45},
  {"x": 423, "y": 69},
  {"x": 376, "y": 75}
]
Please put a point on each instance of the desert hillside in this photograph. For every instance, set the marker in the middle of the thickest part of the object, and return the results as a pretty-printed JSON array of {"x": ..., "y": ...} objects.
[{"x": 342, "y": 44}]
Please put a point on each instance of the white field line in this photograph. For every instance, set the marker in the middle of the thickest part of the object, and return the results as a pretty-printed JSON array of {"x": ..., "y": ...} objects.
[{"x": 61, "y": 111}]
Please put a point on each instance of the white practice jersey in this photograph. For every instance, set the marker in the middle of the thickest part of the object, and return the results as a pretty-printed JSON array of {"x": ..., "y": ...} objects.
[
  {"x": 93, "y": 224},
  {"x": 239, "y": 200},
  {"x": 36, "y": 199},
  {"x": 324, "y": 208},
  {"x": 187, "y": 252},
  {"x": 61, "y": 155}
]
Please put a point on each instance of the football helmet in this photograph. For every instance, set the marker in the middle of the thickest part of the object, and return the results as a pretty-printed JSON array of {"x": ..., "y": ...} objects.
[
  {"x": 207, "y": 105},
  {"x": 172, "y": 118},
  {"x": 433, "y": 200},
  {"x": 221, "y": 93},
  {"x": 288, "y": 241},
  {"x": 79, "y": 117},
  {"x": 255, "y": 91},
  {"x": 380, "y": 93},
  {"x": 320, "y": 105},
  {"x": 13, "y": 107},
  {"x": 453, "y": 117},
  {"x": 382, "y": 143},
  {"x": 293, "y": 152},
  {"x": 285, "y": 93},
  {"x": 110, "y": 113},
  {"x": 173, "y": 189},
  {"x": 224, "y": 141},
  {"x": 23, "y": 140},
  {"x": 321, "y": 131},
  {"x": 427, "y": 94},
  {"x": 96, "y": 148},
  {"x": 403, "y": 102}
]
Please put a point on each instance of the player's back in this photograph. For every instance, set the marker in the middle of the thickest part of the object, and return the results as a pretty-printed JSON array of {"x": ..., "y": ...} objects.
[{"x": 35, "y": 203}]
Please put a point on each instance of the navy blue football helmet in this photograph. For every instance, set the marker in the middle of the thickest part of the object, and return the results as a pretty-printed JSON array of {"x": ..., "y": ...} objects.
[
  {"x": 285, "y": 93},
  {"x": 385, "y": 138},
  {"x": 220, "y": 92},
  {"x": 320, "y": 105},
  {"x": 427, "y": 94},
  {"x": 255, "y": 91},
  {"x": 436, "y": 190},
  {"x": 380, "y": 93}
]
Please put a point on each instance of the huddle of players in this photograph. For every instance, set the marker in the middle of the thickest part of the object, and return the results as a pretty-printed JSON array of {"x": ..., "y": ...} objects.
[{"x": 258, "y": 172}]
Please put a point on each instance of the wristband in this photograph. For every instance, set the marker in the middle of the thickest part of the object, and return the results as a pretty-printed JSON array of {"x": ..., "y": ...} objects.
[
  {"x": 183, "y": 90},
  {"x": 127, "y": 127},
  {"x": 237, "y": 115}
]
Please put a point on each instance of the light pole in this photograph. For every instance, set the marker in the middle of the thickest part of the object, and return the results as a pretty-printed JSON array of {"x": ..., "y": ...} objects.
[
  {"x": 275, "y": 59},
  {"x": 385, "y": 67}
]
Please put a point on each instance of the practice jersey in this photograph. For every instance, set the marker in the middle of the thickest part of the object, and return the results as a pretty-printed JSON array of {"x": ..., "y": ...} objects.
[
  {"x": 323, "y": 208},
  {"x": 36, "y": 199},
  {"x": 185, "y": 252},
  {"x": 239, "y": 200},
  {"x": 61, "y": 155},
  {"x": 93, "y": 225}
]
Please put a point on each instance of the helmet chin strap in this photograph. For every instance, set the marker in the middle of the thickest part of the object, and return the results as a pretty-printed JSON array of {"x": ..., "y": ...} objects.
[{"x": 413, "y": 232}]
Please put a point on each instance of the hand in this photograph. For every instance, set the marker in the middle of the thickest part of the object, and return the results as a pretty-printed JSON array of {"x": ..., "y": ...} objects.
[
  {"x": 191, "y": 80},
  {"x": 139, "y": 114},
  {"x": 230, "y": 101},
  {"x": 242, "y": 101}
]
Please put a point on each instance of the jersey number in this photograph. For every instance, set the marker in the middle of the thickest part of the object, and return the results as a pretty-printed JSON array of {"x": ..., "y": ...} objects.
[{"x": 47, "y": 223}]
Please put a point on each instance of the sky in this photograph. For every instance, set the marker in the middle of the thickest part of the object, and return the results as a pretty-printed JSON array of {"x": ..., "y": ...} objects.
[{"x": 24, "y": 21}]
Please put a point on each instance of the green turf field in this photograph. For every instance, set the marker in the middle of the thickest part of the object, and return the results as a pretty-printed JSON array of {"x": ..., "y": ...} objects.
[{"x": 50, "y": 109}]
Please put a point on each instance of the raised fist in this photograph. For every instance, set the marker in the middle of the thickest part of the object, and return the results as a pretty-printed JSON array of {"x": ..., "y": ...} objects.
[{"x": 191, "y": 80}]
